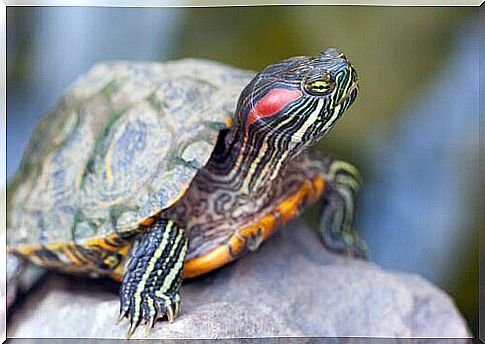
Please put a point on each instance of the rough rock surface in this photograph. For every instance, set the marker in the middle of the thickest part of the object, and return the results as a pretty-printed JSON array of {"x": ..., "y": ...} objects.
[{"x": 291, "y": 286}]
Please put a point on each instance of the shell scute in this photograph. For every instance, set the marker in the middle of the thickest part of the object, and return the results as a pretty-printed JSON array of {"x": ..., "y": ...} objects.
[{"x": 123, "y": 144}]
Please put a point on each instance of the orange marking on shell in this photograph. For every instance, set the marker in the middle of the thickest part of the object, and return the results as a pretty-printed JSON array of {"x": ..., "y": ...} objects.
[
  {"x": 146, "y": 222},
  {"x": 101, "y": 242},
  {"x": 24, "y": 250},
  {"x": 217, "y": 257},
  {"x": 228, "y": 122},
  {"x": 117, "y": 277},
  {"x": 67, "y": 250},
  {"x": 75, "y": 265},
  {"x": 220, "y": 255}
]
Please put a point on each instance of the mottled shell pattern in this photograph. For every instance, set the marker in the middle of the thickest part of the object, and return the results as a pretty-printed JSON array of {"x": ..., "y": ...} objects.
[{"x": 123, "y": 144}]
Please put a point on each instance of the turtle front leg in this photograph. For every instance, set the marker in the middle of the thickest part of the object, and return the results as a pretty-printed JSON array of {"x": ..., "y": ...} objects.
[
  {"x": 153, "y": 275},
  {"x": 342, "y": 182}
]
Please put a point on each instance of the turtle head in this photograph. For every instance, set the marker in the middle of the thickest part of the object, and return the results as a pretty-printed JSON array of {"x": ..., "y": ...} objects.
[{"x": 298, "y": 100}]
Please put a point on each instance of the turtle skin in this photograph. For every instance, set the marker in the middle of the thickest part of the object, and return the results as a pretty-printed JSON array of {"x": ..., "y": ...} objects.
[{"x": 122, "y": 179}]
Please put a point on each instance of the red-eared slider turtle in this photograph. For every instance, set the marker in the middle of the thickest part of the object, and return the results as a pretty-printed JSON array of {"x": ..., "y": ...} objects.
[{"x": 149, "y": 173}]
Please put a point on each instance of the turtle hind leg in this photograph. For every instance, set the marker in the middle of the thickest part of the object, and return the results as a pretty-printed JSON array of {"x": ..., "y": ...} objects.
[
  {"x": 153, "y": 275},
  {"x": 343, "y": 181}
]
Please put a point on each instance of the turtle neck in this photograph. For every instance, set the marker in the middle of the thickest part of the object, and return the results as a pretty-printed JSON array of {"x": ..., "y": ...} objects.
[{"x": 247, "y": 165}]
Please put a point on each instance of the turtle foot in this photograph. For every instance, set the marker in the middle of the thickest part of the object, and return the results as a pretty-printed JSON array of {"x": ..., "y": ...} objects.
[
  {"x": 346, "y": 242},
  {"x": 152, "y": 279},
  {"x": 149, "y": 309}
]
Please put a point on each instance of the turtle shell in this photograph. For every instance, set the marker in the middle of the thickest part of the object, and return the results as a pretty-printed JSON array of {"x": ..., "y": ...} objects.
[{"x": 122, "y": 144}]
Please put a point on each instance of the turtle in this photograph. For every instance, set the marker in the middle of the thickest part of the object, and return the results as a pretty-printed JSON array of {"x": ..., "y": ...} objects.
[{"x": 150, "y": 173}]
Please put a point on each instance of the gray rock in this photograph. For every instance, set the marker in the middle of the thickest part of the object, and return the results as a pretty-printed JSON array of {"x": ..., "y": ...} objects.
[{"x": 291, "y": 286}]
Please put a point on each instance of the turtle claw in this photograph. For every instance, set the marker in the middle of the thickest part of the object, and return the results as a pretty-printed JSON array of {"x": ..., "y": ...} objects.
[
  {"x": 355, "y": 246},
  {"x": 170, "y": 314},
  {"x": 358, "y": 249},
  {"x": 347, "y": 242},
  {"x": 149, "y": 309},
  {"x": 150, "y": 324},
  {"x": 131, "y": 330},
  {"x": 148, "y": 330}
]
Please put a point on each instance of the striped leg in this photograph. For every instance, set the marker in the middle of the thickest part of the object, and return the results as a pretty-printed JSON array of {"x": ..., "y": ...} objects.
[
  {"x": 152, "y": 279},
  {"x": 336, "y": 225}
]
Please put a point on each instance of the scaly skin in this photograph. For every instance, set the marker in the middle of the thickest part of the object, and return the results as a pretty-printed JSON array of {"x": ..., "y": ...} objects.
[{"x": 258, "y": 177}]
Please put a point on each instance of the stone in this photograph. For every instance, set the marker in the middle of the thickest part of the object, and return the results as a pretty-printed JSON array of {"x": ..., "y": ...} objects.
[{"x": 290, "y": 287}]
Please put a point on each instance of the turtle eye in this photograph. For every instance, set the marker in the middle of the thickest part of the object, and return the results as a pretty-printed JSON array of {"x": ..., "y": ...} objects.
[{"x": 319, "y": 85}]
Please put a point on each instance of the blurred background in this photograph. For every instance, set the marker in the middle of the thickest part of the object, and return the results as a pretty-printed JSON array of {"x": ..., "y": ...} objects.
[{"x": 413, "y": 132}]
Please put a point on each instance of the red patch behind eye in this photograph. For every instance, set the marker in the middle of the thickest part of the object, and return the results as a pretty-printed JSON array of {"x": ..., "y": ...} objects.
[{"x": 273, "y": 102}]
